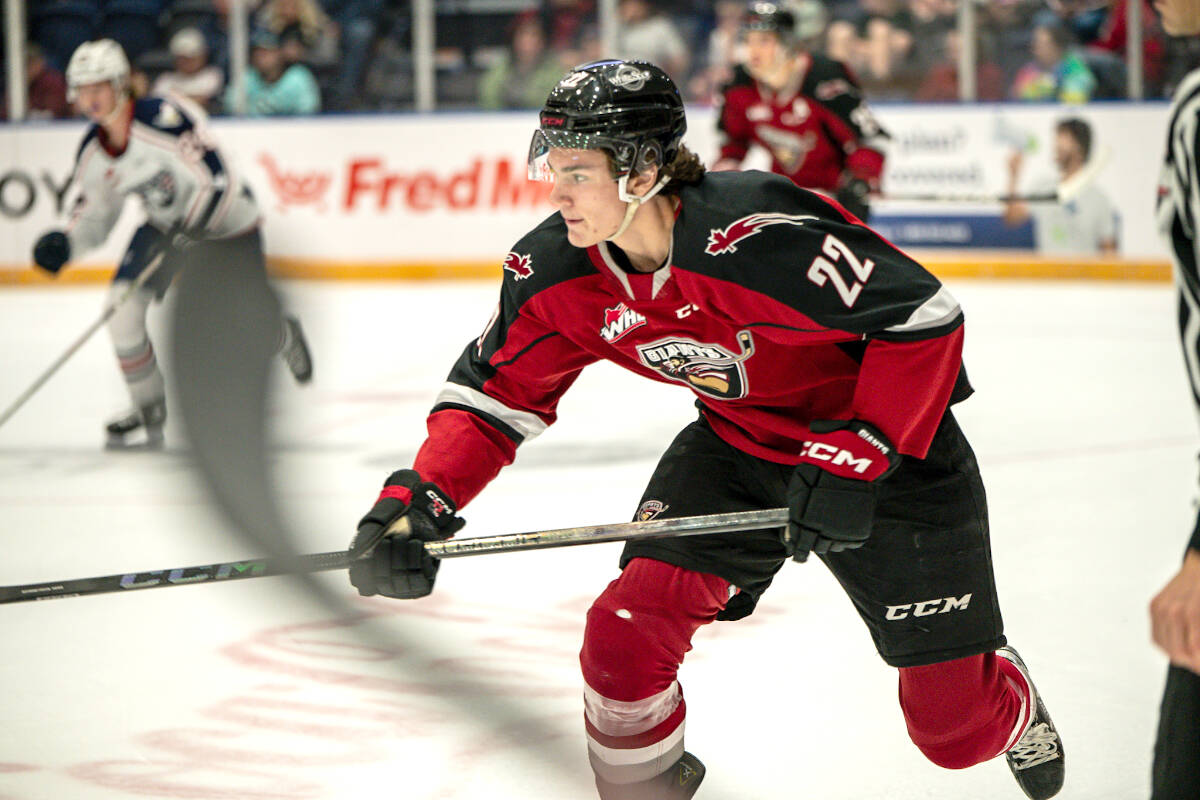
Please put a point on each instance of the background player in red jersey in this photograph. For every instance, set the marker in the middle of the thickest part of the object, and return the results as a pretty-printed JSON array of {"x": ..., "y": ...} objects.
[
  {"x": 824, "y": 362},
  {"x": 1175, "y": 610},
  {"x": 805, "y": 109}
]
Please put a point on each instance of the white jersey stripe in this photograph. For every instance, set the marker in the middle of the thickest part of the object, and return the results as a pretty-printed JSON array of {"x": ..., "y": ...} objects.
[
  {"x": 941, "y": 309},
  {"x": 527, "y": 424}
]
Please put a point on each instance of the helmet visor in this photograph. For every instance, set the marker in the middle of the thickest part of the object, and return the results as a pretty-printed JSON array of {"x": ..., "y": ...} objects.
[{"x": 544, "y": 141}]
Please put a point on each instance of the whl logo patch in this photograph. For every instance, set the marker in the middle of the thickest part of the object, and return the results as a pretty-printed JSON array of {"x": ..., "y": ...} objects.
[
  {"x": 519, "y": 265},
  {"x": 620, "y": 321},
  {"x": 724, "y": 240}
]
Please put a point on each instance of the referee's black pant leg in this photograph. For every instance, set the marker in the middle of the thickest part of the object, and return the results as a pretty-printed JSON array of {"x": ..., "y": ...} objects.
[{"x": 1176, "y": 771}]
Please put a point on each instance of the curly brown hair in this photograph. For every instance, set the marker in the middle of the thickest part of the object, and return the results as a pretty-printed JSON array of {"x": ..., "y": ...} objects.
[{"x": 686, "y": 169}]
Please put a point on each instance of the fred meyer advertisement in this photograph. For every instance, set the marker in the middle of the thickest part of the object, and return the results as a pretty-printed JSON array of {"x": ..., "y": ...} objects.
[{"x": 367, "y": 193}]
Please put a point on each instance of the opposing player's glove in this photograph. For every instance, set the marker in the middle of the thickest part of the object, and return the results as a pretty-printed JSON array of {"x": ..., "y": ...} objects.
[
  {"x": 395, "y": 564},
  {"x": 51, "y": 251},
  {"x": 832, "y": 506},
  {"x": 852, "y": 193}
]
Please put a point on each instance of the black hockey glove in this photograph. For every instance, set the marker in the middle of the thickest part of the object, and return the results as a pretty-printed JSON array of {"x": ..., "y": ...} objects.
[
  {"x": 852, "y": 193},
  {"x": 51, "y": 251},
  {"x": 397, "y": 564},
  {"x": 832, "y": 506}
]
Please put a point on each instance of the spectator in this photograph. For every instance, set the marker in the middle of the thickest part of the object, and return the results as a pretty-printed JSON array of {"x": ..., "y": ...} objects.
[
  {"x": 566, "y": 23},
  {"x": 646, "y": 34},
  {"x": 1056, "y": 71},
  {"x": 193, "y": 77},
  {"x": 271, "y": 85},
  {"x": 725, "y": 49},
  {"x": 1086, "y": 224},
  {"x": 526, "y": 73},
  {"x": 1083, "y": 18},
  {"x": 355, "y": 23},
  {"x": 941, "y": 81},
  {"x": 305, "y": 33},
  {"x": 875, "y": 41},
  {"x": 1009, "y": 31},
  {"x": 46, "y": 88},
  {"x": 1114, "y": 37}
]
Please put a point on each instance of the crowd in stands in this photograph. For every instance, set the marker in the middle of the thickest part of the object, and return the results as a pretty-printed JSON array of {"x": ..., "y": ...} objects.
[{"x": 356, "y": 55}]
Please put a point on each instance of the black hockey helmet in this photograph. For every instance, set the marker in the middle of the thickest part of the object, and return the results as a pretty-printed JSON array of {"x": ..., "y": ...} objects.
[
  {"x": 770, "y": 17},
  {"x": 631, "y": 109}
]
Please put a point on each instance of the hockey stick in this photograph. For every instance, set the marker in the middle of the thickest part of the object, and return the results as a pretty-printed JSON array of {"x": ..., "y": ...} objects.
[
  {"x": 319, "y": 562},
  {"x": 1065, "y": 192},
  {"x": 109, "y": 310}
]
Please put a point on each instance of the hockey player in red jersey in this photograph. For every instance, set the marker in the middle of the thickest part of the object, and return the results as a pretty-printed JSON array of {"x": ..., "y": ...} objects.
[
  {"x": 806, "y": 110},
  {"x": 823, "y": 361}
]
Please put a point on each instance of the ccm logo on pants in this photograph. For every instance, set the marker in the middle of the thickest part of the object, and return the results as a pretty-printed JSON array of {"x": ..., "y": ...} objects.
[{"x": 925, "y": 608}]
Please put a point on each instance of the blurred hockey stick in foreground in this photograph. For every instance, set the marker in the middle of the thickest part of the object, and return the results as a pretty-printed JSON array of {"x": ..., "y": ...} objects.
[
  {"x": 225, "y": 325},
  {"x": 453, "y": 548},
  {"x": 109, "y": 310},
  {"x": 1066, "y": 191}
]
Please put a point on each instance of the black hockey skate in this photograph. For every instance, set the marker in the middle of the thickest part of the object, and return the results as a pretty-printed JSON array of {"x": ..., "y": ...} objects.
[
  {"x": 680, "y": 782},
  {"x": 295, "y": 353},
  {"x": 1037, "y": 759},
  {"x": 141, "y": 429}
]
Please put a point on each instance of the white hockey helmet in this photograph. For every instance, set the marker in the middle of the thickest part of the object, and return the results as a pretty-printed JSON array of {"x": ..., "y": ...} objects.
[{"x": 96, "y": 62}]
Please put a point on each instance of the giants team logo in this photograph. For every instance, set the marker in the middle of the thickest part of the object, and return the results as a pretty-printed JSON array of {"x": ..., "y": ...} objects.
[
  {"x": 650, "y": 509},
  {"x": 519, "y": 265},
  {"x": 787, "y": 147},
  {"x": 725, "y": 240},
  {"x": 620, "y": 321},
  {"x": 707, "y": 368}
]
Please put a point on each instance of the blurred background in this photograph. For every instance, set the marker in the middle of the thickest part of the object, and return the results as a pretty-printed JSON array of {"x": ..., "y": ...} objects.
[{"x": 404, "y": 124}]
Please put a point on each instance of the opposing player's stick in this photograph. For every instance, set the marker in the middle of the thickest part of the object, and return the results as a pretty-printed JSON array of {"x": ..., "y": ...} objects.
[
  {"x": 109, "y": 310},
  {"x": 1066, "y": 191},
  {"x": 453, "y": 548}
]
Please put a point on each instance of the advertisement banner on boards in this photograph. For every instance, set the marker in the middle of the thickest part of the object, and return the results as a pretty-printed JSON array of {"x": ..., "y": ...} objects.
[{"x": 403, "y": 189}]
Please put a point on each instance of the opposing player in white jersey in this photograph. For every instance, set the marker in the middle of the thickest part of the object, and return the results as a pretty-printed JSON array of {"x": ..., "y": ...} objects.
[
  {"x": 160, "y": 150},
  {"x": 1175, "y": 610}
]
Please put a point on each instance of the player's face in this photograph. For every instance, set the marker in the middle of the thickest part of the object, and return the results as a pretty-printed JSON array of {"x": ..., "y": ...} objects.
[
  {"x": 1067, "y": 152},
  {"x": 764, "y": 54},
  {"x": 96, "y": 101},
  {"x": 1179, "y": 17},
  {"x": 585, "y": 193}
]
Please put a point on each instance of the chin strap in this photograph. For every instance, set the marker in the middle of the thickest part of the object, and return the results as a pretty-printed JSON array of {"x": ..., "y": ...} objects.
[{"x": 633, "y": 202}]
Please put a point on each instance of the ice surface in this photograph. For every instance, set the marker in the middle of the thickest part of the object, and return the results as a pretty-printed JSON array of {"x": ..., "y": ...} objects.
[{"x": 1082, "y": 423}]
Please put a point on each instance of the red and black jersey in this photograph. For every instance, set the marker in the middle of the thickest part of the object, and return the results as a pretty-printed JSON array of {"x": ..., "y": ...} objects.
[
  {"x": 774, "y": 309},
  {"x": 816, "y": 128}
]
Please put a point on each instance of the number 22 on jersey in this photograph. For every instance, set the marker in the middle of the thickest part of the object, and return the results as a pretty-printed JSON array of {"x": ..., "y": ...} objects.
[{"x": 824, "y": 270}]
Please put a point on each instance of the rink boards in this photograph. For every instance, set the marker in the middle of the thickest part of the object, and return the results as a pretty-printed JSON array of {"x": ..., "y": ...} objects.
[{"x": 444, "y": 196}]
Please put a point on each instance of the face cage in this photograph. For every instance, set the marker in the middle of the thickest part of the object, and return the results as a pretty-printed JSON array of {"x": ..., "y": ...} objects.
[{"x": 628, "y": 158}]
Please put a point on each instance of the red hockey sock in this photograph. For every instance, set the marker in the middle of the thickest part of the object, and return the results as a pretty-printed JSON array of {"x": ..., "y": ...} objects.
[
  {"x": 963, "y": 712},
  {"x": 637, "y": 633}
]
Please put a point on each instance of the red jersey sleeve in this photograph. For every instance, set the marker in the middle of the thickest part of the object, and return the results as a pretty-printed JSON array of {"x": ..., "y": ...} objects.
[{"x": 503, "y": 390}]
